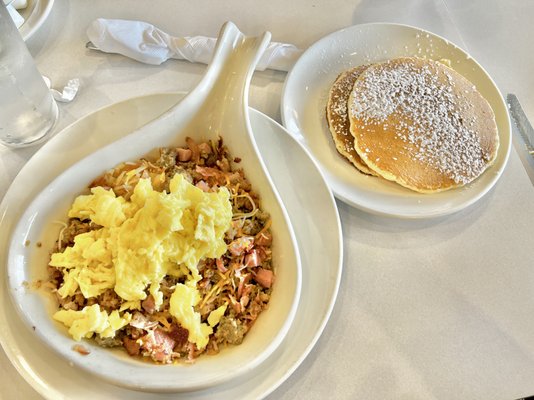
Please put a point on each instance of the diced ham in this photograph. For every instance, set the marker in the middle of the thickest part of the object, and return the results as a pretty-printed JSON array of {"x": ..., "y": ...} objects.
[
  {"x": 195, "y": 153},
  {"x": 202, "y": 185},
  {"x": 236, "y": 227},
  {"x": 204, "y": 148},
  {"x": 220, "y": 265},
  {"x": 183, "y": 155},
  {"x": 264, "y": 277},
  {"x": 223, "y": 164},
  {"x": 241, "y": 245},
  {"x": 141, "y": 322},
  {"x": 242, "y": 288},
  {"x": 253, "y": 259},
  {"x": 158, "y": 345},
  {"x": 210, "y": 172},
  {"x": 148, "y": 304}
]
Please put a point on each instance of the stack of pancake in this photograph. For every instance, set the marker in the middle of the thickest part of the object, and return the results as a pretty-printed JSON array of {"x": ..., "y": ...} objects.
[{"x": 413, "y": 121}]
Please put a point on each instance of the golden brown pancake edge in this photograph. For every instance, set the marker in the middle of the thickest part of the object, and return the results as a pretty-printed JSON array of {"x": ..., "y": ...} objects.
[{"x": 338, "y": 120}]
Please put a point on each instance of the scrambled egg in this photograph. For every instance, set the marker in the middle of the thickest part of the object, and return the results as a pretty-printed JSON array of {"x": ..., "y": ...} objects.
[
  {"x": 91, "y": 320},
  {"x": 215, "y": 316},
  {"x": 151, "y": 235},
  {"x": 182, "y": 301}
]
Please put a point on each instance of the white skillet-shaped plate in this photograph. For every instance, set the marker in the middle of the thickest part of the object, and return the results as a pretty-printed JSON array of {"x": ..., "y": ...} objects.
[
  {"x": 304, "y": 193},
  {"x": 35, "y": 14},
  {"x": 229, "y": 118},
  {"x": 303, "y": 114}
]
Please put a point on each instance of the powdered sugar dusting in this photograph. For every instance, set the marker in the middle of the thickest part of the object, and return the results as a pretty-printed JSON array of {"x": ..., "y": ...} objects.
[{"x": 427, "y": 115}]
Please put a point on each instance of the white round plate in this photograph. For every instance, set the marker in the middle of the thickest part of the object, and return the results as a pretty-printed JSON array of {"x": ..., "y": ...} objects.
[
  {"x": 306, "y": 195},
  {"x": 303, "y": 114},
  {"x": 34, "y": 16}
]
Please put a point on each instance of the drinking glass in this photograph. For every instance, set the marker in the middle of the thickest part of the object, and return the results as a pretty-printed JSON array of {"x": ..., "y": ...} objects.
[{"x": 27, "y": 109}]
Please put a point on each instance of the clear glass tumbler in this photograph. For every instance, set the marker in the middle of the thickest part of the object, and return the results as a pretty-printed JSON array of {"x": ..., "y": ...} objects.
[{"x": 27, "y": 109}]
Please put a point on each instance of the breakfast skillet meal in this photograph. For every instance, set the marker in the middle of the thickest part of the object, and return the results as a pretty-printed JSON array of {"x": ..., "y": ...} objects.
[
  {"x": 169, "y": 258},
  {"x": 413, "y": 121}
]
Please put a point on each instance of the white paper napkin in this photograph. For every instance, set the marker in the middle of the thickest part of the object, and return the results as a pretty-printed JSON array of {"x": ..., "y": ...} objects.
[
  {"x": 69, "y": 91},
  {"x": 145, "y": 43}
]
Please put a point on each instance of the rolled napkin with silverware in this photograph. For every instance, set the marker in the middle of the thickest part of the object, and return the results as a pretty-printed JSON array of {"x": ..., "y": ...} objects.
[{"x": 147, "y": 44}]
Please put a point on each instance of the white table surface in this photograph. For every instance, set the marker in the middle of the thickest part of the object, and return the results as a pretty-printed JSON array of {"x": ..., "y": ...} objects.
[{"x": 435, "y": 309}]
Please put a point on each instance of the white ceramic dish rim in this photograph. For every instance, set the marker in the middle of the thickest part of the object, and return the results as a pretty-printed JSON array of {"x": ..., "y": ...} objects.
[
  {"x": 348, "y": 193},
  {"x": 40, "y": 12},
  {"x": 260, "y": 383}
]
